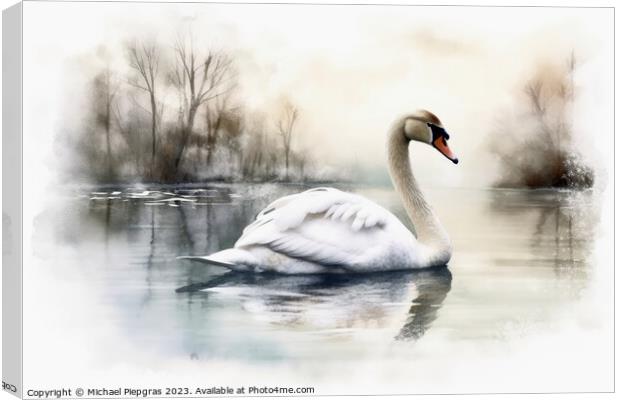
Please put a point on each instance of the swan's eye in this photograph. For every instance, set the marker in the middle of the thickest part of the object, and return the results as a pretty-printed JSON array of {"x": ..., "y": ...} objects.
[{"x": 438, "y": 132}]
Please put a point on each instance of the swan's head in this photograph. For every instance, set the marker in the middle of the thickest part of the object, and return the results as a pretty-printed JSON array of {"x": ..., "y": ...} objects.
[{"x": 424, "y": 126}]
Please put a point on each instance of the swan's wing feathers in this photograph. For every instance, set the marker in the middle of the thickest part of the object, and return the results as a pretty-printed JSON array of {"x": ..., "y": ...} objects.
[
  {"x": 322, "y": 225},
  {"x": 312, "y": 193},
  {"x": 290, "y": 211},
  {"x": 299, "y": 246}
]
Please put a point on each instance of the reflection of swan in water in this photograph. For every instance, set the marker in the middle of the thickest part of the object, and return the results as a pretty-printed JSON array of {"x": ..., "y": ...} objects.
[
  {"x": 325, "y": 230},
  {"x": 338, "y": 303}
]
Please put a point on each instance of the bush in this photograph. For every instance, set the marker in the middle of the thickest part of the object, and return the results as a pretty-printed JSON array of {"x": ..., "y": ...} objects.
[{"x": 535, "y": 142}]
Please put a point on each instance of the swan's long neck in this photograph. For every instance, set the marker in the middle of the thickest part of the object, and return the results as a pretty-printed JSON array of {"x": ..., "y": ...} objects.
[{"x": 429, "y": 231}]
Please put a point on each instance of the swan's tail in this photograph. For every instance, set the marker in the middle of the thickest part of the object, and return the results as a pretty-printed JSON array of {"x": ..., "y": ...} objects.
[
  {"x": 206, "y": 260},
  {"x": 233, "y": 259}
]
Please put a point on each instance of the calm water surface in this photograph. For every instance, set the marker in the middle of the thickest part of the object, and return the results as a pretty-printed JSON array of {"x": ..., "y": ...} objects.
[{"x": 519, "y": 258}]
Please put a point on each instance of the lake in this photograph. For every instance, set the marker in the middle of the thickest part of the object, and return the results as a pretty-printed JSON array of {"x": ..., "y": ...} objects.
[{"x": 522, "y": 260}]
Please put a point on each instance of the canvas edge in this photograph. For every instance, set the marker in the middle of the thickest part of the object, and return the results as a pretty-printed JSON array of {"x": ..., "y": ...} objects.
[{"x": 12, "y": 339}]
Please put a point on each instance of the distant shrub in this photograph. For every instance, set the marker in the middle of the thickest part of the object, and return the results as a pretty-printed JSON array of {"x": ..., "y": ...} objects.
[{"x": 535, "y": 143}]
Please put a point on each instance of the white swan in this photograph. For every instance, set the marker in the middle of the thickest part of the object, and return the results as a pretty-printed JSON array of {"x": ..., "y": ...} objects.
[{"x": 327, "y": 230}]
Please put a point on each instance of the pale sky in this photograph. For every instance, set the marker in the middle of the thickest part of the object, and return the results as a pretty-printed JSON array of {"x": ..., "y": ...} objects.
[{"x": 350, "y": 69}]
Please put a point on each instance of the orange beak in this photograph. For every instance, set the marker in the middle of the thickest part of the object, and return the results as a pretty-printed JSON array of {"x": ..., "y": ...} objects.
[{"x": 441, "y": 144}]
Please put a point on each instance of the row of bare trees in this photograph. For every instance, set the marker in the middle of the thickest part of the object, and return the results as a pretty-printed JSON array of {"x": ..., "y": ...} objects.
[{"x": 176, "y": 116}]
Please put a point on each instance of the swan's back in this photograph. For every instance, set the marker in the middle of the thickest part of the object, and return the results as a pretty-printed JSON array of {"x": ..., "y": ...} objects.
[{"x": 323, "y": 229}]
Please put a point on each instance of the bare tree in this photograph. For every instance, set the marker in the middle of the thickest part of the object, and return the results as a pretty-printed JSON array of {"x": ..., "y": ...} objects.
[
  {"x": 233, "y": 132},
  {"x": 286, "y": 126},
  {"x": 130, "y": 127},
  {"x": 302, "y": 161},
  {"x": 259, "y": 149},
  {"x": 252, "y": 154},
  {"x": 105, "y": 90},
  {"x": 539, "y": 109},
  {"x": 144, "y": 59},
  {"x": 214, "y": 115},
  {"x": 198, "y": 80}
]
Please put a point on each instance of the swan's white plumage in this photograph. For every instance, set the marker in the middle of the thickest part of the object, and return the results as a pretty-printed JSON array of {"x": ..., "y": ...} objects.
[
  {"x": 322, "y": 230},
  {"x": 289, "y": 212}
]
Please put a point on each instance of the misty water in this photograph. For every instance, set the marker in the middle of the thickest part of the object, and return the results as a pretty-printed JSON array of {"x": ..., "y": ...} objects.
[{"x": 519, "y": 258}]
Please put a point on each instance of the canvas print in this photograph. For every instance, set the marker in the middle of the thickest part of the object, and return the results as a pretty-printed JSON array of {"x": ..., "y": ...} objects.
[{"x": 302, "y": 200}]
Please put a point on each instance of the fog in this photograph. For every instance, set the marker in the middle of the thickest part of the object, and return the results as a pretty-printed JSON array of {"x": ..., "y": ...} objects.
[{"x": 350, "y": 71}]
